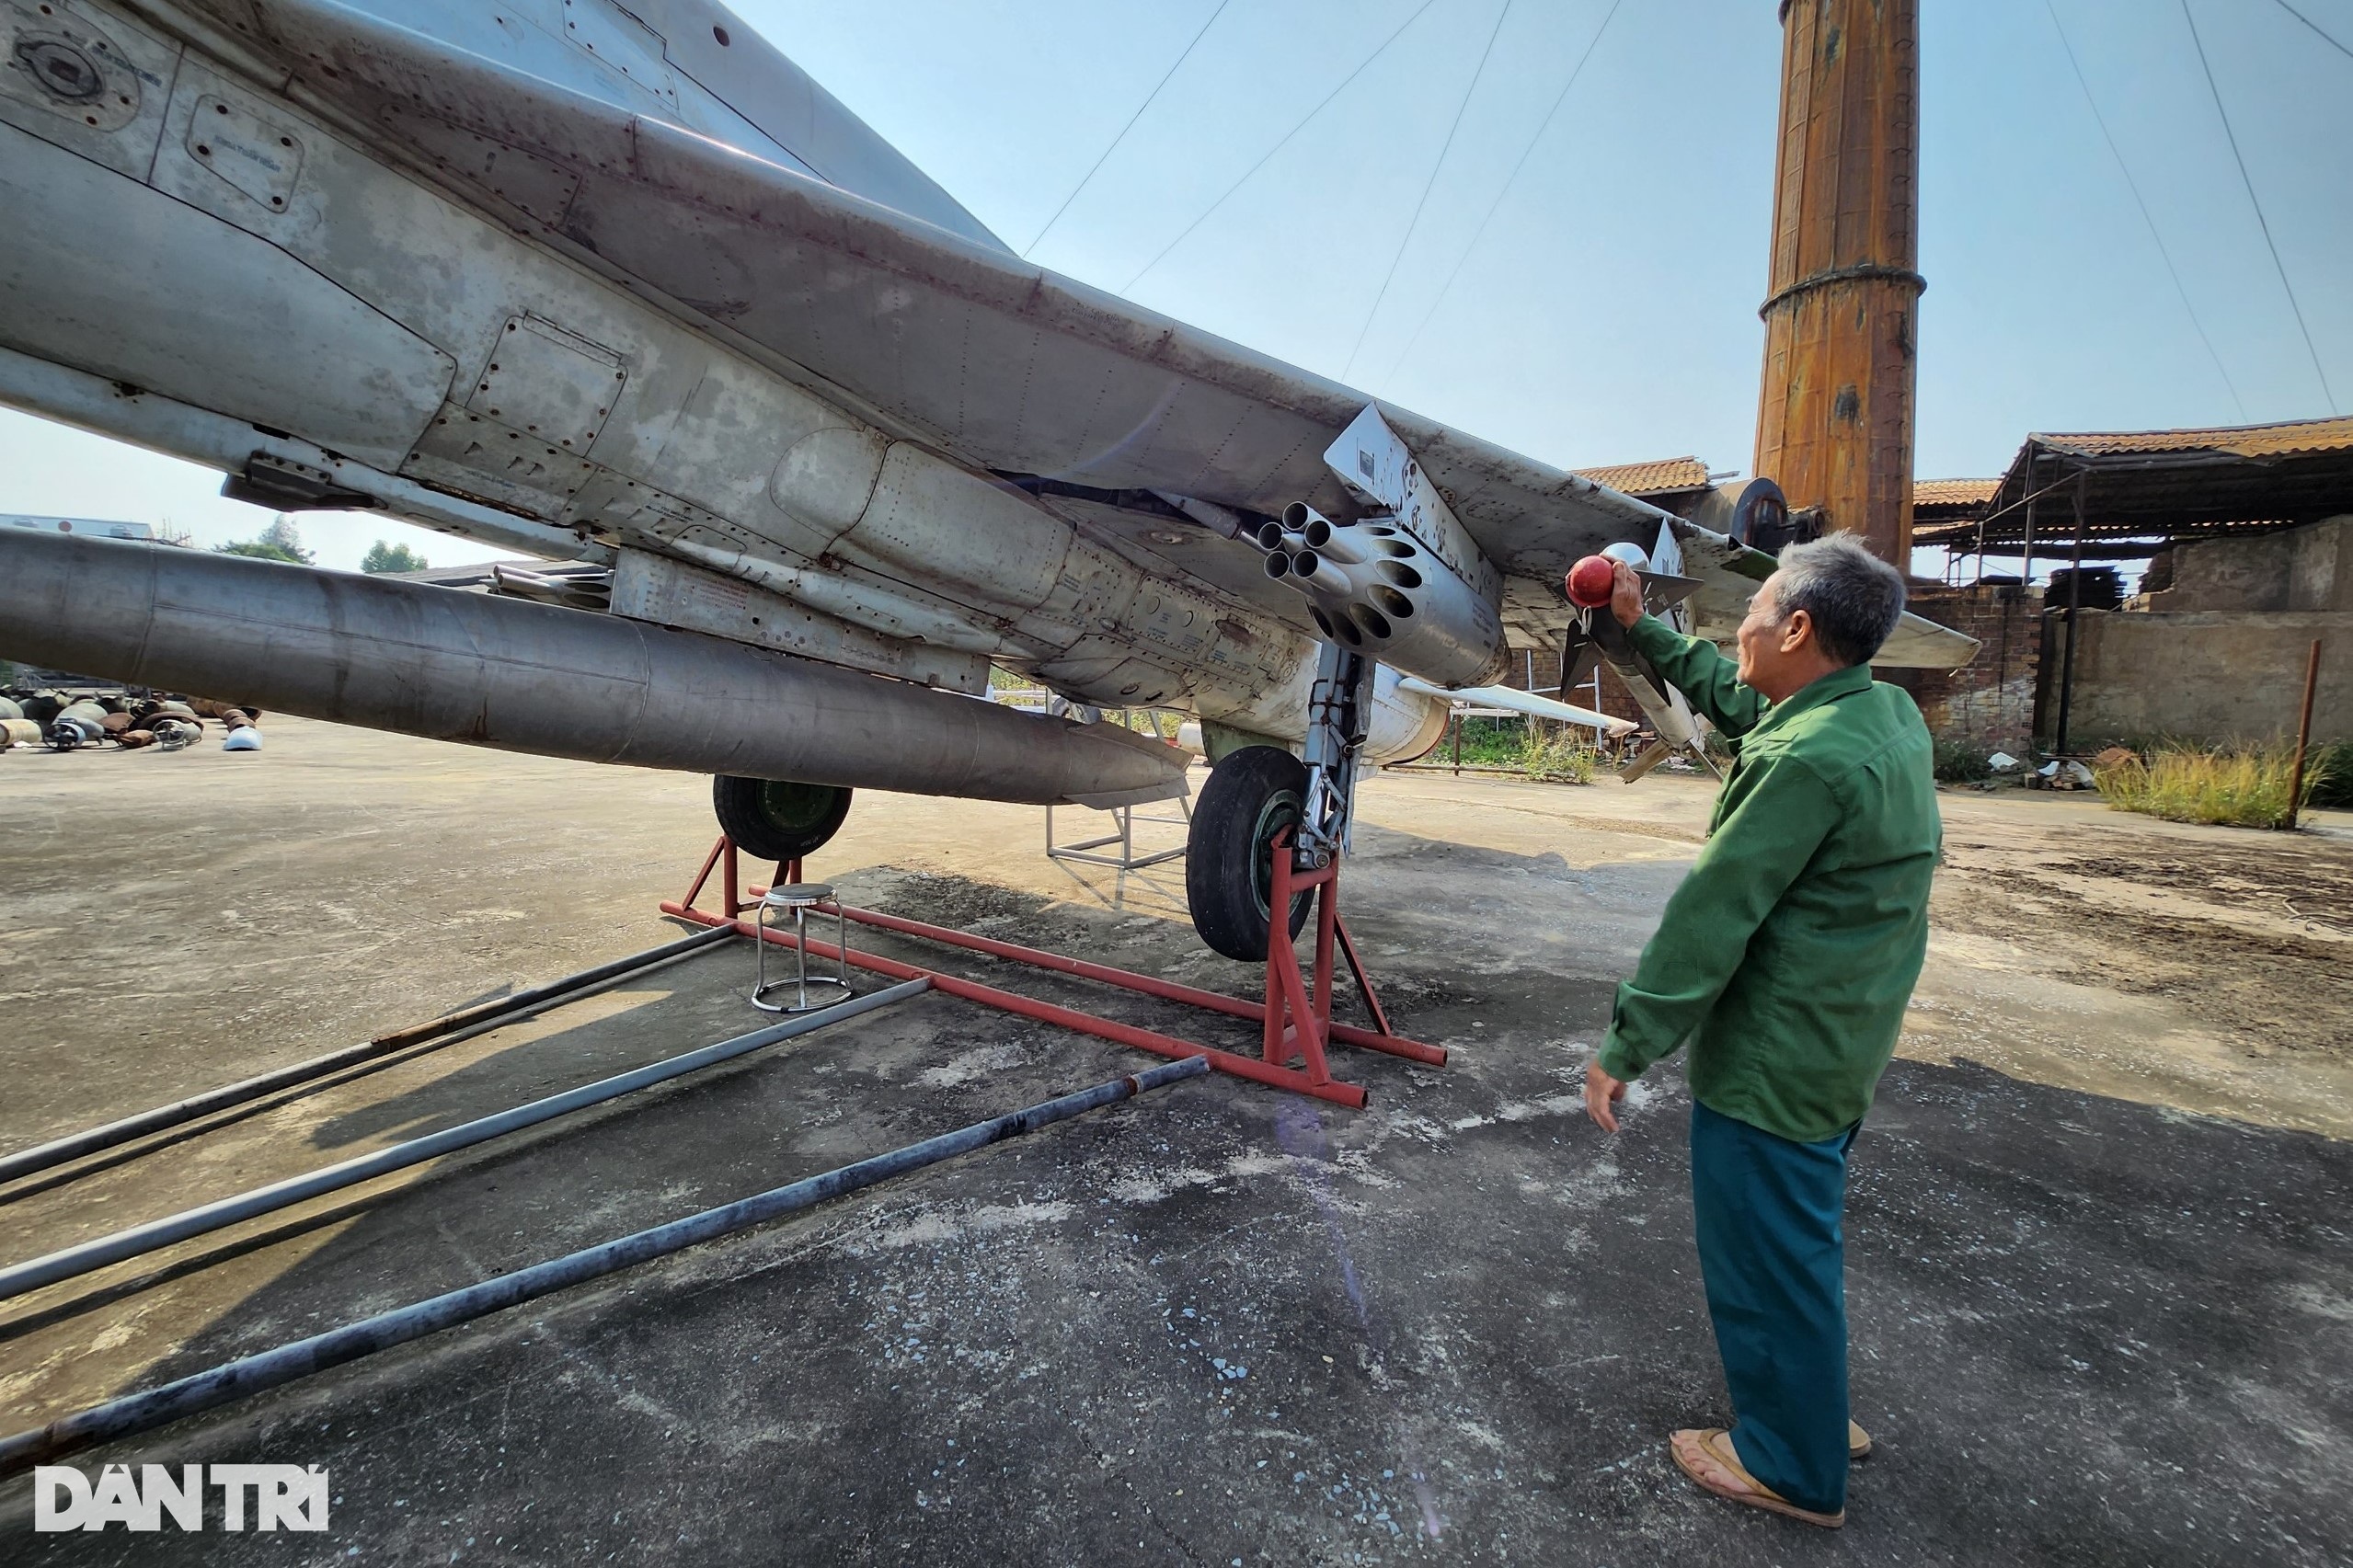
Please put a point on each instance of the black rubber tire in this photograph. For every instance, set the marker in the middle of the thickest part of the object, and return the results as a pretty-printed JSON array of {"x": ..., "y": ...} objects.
[
  {"x": 776, "y": 820},
  {"x": 1252, "y": 794}
]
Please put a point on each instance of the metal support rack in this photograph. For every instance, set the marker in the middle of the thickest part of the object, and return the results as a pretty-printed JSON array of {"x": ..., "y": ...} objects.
[
  {"x": 1127, "y": 858},
  {"x": 1295, "y": 1017}
]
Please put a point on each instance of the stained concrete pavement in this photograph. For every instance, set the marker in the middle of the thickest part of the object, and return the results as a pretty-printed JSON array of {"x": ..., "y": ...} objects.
[{"x": 1218, "y": 1325}]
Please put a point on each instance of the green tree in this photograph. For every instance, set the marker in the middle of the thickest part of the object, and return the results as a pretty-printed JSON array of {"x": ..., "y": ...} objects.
[
  {"x": 383, "y": 557},
  {"x": 281, "y": 541}
]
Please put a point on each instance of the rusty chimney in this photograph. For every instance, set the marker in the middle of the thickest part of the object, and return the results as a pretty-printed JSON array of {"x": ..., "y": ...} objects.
[{"x": 1834, "y": 415}]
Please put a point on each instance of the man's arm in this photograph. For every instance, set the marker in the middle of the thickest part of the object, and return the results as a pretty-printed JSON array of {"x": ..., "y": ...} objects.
[
  {"x": 1784, "y": 814},
  {"x": 1699, "y": 669},
  {"x": 1691, "y": 665}
]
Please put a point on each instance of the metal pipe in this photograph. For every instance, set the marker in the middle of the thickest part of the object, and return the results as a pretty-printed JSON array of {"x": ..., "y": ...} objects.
[
  {"x": 252, "y": 1374},
  {"x": 449, "y": 1029},
  {"x": 1208, "y": 514},
  {"x": 1316, "y": 573},
  {"x": 2075, "y": 623},
  {"x": 516, "y": 676},
  {"x": 2304, "y": 735},
  {"x": 1344, "y": 545},
  {"x": 72, "y": 1261}
]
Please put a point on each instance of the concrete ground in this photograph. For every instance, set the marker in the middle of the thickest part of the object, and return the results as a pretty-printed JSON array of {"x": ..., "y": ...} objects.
[{"x": 2101, "y": 1292}]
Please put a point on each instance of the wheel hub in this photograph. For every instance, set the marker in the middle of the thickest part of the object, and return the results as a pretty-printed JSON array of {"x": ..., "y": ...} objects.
[{"x": 1283, "y": 810}]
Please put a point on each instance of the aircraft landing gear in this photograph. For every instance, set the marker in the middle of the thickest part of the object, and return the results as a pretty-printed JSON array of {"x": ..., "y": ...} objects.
[
  {"x": 1253, "y": 794},
  {"x": 1257, "y": 793},
  {"x": 776, "y": 820}
]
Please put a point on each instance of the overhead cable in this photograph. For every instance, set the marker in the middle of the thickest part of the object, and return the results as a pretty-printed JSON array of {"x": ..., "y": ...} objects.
[
  {"x": 1149, "y": 99},
  {"x": 1496, "y": 205},
  {"x": 2331, "y": 38},
  {"x": 2133, "y": 185},
  {"x": 1279, "y": 146},
  {"x": 1428, "y": 186},
  {"x": 2262, "y": 222}
]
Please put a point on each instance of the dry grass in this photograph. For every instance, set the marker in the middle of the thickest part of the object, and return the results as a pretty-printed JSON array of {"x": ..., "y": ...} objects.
[
  {"x": 2230, "y": 788},
  {"x": 1556, "y": 758}
]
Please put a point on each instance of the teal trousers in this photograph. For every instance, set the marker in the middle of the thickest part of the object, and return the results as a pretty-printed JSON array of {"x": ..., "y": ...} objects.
[{"x": 1768, "y": 1212}]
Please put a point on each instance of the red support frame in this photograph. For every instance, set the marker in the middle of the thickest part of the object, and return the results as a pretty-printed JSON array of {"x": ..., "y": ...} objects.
[{"x": 1296, "y": 1021}]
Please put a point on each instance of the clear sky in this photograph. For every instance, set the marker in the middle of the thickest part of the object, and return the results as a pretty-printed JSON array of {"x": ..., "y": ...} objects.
[{"x": 1608, "y": 311}]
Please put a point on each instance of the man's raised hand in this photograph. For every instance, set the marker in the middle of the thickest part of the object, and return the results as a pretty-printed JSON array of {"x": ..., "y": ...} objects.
[{"x": 1626, "y": 595}]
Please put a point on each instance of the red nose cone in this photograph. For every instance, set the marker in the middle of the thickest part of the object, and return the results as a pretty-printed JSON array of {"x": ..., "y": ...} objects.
[{"x": 1590, "y": 582}]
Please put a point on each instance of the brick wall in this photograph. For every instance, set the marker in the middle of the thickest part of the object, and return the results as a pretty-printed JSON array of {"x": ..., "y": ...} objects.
[
  {"x": 1990, "y": 702},
  {"x": 1615, "y": 700},
  {"x": 2213, "y": 676}
]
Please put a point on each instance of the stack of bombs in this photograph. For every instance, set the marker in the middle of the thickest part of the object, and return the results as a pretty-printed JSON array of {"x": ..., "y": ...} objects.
[{"x": 68, "y": 724}]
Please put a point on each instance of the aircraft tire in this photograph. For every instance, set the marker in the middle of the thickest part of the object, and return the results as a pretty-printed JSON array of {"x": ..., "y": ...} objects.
[
  {"x": 1251, "y": 795},
  {"x": 775, "y": 819}
]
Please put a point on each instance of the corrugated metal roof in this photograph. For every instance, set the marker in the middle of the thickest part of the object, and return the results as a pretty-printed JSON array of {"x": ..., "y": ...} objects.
[
  {"x": 1666, "y": 477},
  {"x": 2238, "y": 440},
  {"x": 2138, "y": 487}
]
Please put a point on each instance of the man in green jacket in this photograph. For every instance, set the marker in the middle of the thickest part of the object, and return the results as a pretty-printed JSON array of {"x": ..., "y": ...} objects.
[{"x": 1784, "y": 961}]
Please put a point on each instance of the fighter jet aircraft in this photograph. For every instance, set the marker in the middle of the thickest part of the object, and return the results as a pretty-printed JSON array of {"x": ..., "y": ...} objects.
[{"x": 612, "y": 281}]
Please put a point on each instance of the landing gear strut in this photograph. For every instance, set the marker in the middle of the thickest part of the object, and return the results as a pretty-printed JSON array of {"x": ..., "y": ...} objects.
[{"x": 1257, "y": 794}]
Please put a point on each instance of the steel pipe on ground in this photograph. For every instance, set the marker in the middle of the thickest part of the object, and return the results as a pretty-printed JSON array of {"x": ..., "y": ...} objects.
[
  {"x": 253, "y": 1374},
  {"x": 72, "y": 1261},
  {"x": 447, "y": 1030},
  {"x": 517, "y": 676}
]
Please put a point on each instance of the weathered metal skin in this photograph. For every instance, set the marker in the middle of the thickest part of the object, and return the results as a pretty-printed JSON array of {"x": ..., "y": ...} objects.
[
  {"x": 1405, "y": 724},
  {"x": 522, "y": 677},
  {"x": 364, "y": 331},
  {"x": 596, "y": 280},
  {"x": 1377, "y": 588},
  {"x": 1834, "y": 416}
]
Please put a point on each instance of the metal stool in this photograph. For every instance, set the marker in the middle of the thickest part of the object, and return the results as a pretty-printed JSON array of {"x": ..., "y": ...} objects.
[{"x": 799, "y": 898}]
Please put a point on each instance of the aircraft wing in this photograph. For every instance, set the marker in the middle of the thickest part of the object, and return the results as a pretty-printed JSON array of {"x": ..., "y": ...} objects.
[
  {"x": 933, "y": 334},
  {"x": 1728, "y": 572},
  {"x": 938, "y": 334}
]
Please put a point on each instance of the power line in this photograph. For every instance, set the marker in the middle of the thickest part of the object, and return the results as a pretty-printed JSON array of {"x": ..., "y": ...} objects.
[
  {"x": 1428, "y": 186},
  {"x": 1130, "y": 125},
  {"x": 1496, "y": 205},
  {"x": 1279, "y": 146},
  {"x": 2133, "y": 186},
  {"x": 2261, "y": 220},
  {"x": 2316, "y": 28}
]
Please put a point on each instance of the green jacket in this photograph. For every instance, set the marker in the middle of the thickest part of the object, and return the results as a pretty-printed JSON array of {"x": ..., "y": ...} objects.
[{"x": 1787, "y": 957}]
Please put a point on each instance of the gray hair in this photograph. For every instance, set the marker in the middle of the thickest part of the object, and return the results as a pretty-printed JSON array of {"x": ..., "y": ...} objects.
[{"x": 1854, "y": 598}]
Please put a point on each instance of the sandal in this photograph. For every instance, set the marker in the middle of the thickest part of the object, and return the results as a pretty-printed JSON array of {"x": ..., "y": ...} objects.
[{"x": 1705, "y": 1454}]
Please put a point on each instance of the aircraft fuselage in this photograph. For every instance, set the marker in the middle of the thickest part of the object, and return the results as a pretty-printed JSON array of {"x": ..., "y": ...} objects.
[{"x": 205, "y": 258}]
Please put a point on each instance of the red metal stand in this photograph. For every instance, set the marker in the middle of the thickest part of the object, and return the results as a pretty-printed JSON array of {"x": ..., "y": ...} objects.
[{"x": 1296, "y": 1022}]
